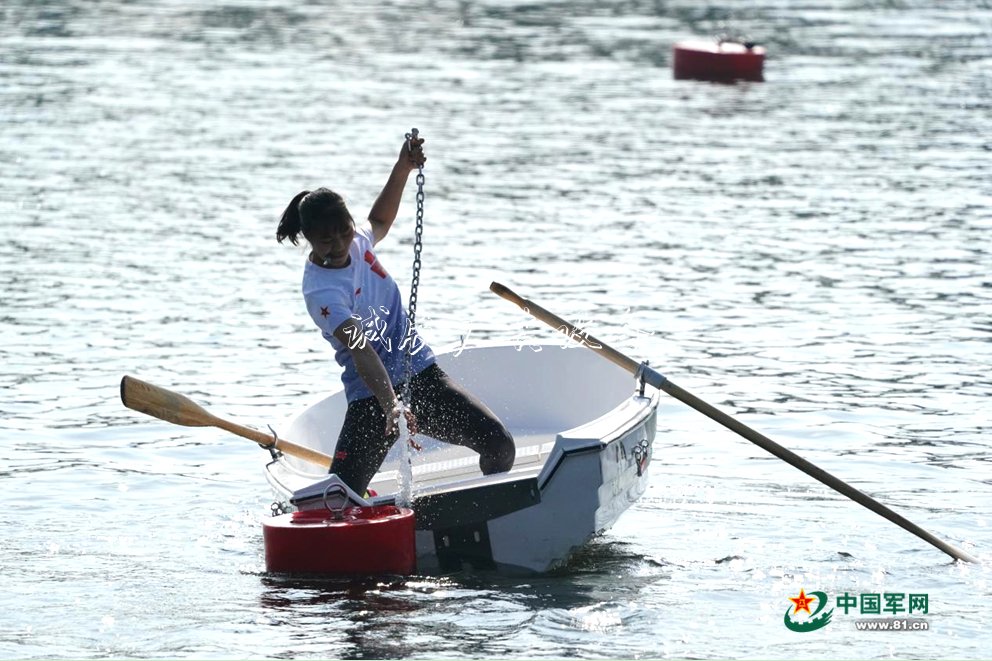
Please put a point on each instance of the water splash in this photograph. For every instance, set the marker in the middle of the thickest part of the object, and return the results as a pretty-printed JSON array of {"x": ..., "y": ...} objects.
[{"x": 404, "y": 494}]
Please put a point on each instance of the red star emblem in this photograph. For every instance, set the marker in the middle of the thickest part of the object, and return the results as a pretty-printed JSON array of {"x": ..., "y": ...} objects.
[
  {"x": 802, "y": 602},
  {"x": 324, "y": 312}
]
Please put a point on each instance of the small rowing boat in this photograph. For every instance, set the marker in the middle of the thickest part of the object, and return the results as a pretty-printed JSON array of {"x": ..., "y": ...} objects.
[
  {"x": 583, "y": 430},
  {"x": 583, "y": 452}
]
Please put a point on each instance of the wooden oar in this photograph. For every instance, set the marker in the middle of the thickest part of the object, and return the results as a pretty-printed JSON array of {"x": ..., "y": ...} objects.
[
  {"x": 180, "y": 410},
  {"x": 660, "y": 382}
]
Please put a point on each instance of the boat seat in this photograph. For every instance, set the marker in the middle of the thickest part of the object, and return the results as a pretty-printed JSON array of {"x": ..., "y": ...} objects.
[{"x": 446, "y": 462}]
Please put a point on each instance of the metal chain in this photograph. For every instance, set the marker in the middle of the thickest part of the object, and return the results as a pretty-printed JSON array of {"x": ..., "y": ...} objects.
[{"x": 415, "y": 279}]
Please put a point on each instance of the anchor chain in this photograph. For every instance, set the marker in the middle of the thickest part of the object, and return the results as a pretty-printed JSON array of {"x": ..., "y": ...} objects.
[
  {"x": 411, "y": 329},
  {"x": 418, "y": 244}
]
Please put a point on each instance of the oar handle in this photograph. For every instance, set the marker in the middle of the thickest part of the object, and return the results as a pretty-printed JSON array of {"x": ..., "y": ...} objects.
[{"x": 659, "y": 381}]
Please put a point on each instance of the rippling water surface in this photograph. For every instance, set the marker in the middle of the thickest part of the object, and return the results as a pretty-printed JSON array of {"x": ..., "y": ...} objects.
[{"x": 810, "y": 254}]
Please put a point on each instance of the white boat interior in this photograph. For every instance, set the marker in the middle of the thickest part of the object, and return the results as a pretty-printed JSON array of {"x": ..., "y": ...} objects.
[{"x": 540, "y": 392}]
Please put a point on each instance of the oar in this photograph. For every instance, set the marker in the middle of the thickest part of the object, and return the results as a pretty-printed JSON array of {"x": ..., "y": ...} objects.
[
  {"x": 660, "y": 382},
  {"x": 180, "y": 410}
]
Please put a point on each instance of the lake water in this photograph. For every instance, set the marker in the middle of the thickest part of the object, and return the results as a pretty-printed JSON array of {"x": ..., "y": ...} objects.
[{"x": 810, "y": 253}]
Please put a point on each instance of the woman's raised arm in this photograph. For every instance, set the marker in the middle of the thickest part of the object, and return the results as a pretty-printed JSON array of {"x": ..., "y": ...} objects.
[{"x": 387, "y": 205}]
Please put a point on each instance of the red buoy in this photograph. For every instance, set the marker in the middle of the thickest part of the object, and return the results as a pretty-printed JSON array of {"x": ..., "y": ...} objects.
[
  {"x": 720, "y": 61},
  {"x": 354, "y": 540}
]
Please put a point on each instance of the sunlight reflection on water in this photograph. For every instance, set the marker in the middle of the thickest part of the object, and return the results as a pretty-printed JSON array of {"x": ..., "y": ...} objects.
[{"x": 809, "y": 254}]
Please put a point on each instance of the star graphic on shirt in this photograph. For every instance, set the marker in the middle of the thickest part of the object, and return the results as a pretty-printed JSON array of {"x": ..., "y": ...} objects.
[
  {"x": 802, "y": 602},
  {"x": 324, "y": 312}
]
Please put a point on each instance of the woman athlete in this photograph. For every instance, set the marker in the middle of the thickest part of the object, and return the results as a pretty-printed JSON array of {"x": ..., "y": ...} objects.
[{"x": 357, "y": 306}]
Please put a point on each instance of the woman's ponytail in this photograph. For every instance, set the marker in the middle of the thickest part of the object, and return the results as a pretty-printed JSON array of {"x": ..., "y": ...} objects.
[{"x": 291, "y": 225}]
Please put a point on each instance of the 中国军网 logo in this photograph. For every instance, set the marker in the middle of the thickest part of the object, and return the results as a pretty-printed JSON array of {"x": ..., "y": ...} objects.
[
  {"x": 809, "y": 612},
  {"x": 813, "y": 619}
]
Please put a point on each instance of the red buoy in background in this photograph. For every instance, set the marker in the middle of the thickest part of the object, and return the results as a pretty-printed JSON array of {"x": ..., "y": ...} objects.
[
  {"x": 353, "y": 540},
  {"x": 720, "y": 61}
]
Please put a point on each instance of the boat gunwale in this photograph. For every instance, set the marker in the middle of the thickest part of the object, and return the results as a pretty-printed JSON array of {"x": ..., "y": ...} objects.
[{"x": 643, "y": 407}]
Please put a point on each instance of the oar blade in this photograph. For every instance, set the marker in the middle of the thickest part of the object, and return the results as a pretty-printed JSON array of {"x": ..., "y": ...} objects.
[{"x": 163, "y": 404}]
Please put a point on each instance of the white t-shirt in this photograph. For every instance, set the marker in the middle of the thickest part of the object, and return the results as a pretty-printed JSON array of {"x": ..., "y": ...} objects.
[{"x": 364, "y": 291}]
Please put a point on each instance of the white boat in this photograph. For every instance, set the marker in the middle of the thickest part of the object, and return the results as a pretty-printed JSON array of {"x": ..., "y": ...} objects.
[
  {"x": 583, "y": 451},
  {"x": 583, "y": 430}
]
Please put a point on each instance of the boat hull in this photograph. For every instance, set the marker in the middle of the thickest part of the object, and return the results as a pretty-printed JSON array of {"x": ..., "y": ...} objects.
[{"x": 584, "y": 446}]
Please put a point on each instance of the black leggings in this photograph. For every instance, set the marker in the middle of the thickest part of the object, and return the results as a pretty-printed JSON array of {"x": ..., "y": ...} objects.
[{"x": 444, "y": 410}]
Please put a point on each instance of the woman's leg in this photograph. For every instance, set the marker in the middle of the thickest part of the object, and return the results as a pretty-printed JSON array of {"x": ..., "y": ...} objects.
[
  {"x": 448, "y": 412},
  {"x": 362, "y": 444}
]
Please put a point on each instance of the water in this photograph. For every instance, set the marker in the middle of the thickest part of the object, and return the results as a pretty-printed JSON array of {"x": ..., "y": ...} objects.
[
  {"x": 404, "y": 495},
  {"x": 810, "y": 254}
]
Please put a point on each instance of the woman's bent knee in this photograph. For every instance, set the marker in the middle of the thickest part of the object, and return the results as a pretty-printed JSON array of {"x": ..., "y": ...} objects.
[{"x": 499, "y": 453}]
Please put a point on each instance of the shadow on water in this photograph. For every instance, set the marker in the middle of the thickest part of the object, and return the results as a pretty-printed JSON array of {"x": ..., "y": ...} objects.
[
  {"x": 385, "y": 617},
  {"x": 362, "y": 617}
]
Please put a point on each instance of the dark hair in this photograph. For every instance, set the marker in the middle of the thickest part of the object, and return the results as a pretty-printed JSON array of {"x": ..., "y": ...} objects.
[{"x": 310, "y": 210}]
